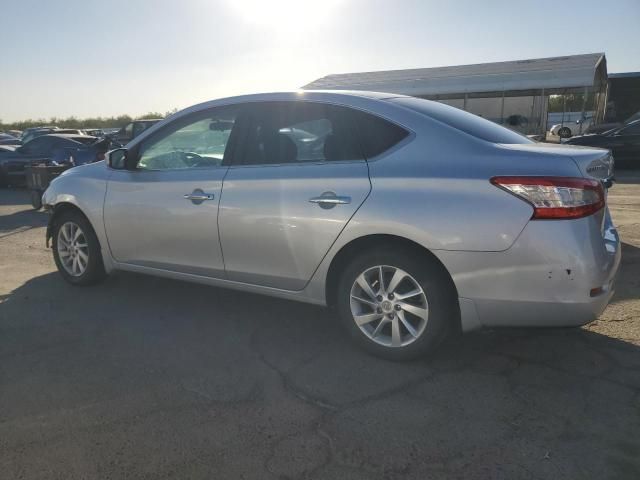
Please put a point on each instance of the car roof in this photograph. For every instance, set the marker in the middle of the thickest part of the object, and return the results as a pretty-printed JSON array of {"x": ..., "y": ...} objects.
[
  {"x": 302, "y": 94},
  {"x": 337, "y": 96}
]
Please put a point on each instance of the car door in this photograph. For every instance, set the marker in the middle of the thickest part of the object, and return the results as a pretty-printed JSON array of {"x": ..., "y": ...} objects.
[
  {"x": 164, "y": 213},
  {"x": 301, "y": 178}
]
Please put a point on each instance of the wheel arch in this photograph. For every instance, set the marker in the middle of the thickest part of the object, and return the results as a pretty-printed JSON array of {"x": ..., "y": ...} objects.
[
  {"x": 59, "y": 209},
  {"x": 367, "y": 242}
]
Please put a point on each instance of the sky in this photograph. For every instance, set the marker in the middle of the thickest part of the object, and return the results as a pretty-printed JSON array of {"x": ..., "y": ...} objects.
[{"x": 102, "y": 58}]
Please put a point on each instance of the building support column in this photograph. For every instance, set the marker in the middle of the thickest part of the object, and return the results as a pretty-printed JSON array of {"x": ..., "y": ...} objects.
[{"x": 584, "y": 105}]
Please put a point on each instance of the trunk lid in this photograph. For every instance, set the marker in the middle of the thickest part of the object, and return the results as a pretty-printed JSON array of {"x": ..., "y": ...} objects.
[{"x": 596, "y": 163}]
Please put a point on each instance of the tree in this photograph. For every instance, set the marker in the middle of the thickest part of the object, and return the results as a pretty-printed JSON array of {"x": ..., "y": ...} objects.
[{"x": 73, "y": 122}]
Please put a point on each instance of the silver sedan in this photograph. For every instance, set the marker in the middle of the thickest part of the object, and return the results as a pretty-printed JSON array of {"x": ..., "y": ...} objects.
[{"x": 411, "y": 219}]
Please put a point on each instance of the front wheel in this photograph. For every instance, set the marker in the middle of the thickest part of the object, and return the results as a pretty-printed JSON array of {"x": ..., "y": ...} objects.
[
  {"x": 76, "y": 250},
  {"x": 395, "y": 305},
  {"x": 564, "y": 132}
]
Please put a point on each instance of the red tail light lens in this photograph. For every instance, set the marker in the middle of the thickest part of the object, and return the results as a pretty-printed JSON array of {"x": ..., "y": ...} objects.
[
  {"x": 556, "y": 197},
  {"x": 100, "y": 156}
]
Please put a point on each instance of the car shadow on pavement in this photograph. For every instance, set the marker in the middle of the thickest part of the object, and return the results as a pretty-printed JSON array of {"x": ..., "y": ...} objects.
[
  {"x": 14, "y": 196},
  {"x": 281, "y": 376},
  {"x": 21, "y": 221}
]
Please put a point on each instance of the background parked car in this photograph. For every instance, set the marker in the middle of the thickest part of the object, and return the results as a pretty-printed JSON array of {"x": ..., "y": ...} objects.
[
  {"x": 132, "y": 129},
  {"x": 95, "y": 132},
  {"x": 569, "y": 129},
  {"x": 31, "y": 133},
  {"x": 624, "y": 143},
  {"x": 58, "y": 148},
  {"x": 605, "y": 127},
  {"x": 6, "y": 139}
]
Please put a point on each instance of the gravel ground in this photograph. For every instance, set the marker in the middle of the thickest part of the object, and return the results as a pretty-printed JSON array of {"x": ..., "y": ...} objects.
[{"x": 151, "y": 378}]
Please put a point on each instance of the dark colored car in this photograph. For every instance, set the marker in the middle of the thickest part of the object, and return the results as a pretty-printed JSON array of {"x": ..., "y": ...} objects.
[
  {"x": 132, "y": 129},
  {"x": 33, "y": 132},
  {"x": 6, "y": 139},
  {"x": 624, "y": 143},
  {"x": 605, "y": 127},
  {"x": 52, "y": 148}
]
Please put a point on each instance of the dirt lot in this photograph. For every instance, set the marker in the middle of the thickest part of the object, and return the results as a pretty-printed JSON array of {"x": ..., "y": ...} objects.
[{"x": 150, "y": 378}]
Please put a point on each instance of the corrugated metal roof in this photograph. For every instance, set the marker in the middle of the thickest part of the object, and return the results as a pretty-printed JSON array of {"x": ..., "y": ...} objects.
[
  {"x": 624, "y": 75},
  {"x": 548, "y": 73}
]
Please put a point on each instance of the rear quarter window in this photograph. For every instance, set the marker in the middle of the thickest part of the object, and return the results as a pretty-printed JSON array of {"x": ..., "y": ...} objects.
[
  {"x": 463, "y": 121},
  {"x": 376, "y": 134}
]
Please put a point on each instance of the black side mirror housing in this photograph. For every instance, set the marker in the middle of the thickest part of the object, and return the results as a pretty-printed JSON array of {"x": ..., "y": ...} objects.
[{"x": 117, "y": 159}]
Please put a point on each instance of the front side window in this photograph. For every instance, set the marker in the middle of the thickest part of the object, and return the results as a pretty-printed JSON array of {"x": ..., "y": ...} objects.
[
  {"x": 298, "y": 132},
  {"x": 199, "y": 141}
]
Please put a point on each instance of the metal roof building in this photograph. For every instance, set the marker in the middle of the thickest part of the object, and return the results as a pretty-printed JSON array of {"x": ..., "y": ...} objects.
[{"x": 486, "y": 88}]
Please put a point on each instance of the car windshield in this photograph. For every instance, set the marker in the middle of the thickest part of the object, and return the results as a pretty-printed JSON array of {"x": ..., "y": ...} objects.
[{"x": 464, "y": 121}]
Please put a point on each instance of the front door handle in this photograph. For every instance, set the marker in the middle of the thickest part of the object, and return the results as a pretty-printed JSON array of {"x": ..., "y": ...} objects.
[
  {"x": 329, "y": 200},
  {"x": 198, "y": 196}
]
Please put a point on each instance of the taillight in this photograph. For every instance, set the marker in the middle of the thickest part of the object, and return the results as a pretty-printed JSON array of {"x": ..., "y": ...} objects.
[
  {"x": 100, "y": 156},
  {"x": 555, "y": 197}
]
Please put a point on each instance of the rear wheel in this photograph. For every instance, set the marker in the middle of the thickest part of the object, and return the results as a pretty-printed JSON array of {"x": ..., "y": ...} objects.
[
  {"x": 395, "y": 305},
  {"x": 76, "y": 250}
]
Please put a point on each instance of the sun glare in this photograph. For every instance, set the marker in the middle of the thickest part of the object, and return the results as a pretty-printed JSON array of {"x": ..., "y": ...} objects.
[{"x": 284, "y": 14}]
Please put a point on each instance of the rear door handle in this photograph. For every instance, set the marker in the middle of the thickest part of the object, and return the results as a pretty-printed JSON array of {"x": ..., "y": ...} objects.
[
  {"x": 330, "y": 200},
  {"x": 198, "y": 196}
]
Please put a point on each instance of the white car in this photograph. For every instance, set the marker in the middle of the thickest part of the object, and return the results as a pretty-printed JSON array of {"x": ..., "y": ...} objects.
[
  {"x": 413, "y": 219},
  {"x": 571, "y": 128}
]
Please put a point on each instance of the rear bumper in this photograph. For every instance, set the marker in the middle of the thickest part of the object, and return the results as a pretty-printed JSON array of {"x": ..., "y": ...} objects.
[{"x": 557, "y": 273}]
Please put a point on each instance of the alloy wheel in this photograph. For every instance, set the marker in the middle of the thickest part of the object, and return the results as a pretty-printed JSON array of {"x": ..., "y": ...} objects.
[
  {"x": 73, "y": 249},
  {"x": 389, "y": 306}
]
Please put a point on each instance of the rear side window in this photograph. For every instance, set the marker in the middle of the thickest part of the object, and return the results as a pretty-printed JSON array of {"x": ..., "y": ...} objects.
[
  {"x": 298, "y": 132},
  {"x": 463, "y": 121},
  {"x": 376, "y": 134}
]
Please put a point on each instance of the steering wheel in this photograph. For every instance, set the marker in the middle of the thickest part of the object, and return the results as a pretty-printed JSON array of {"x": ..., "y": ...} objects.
[{"x": 191, "y": 158}]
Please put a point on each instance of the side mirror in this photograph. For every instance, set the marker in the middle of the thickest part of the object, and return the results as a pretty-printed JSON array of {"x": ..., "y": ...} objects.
[{"x": 117, "y": 159}]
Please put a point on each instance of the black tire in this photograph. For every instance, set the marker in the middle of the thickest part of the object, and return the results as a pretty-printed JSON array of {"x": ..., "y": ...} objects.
[
  {"x": 444, "y": 312},
  {"x": 564, "y": 132},
  {"x": 36, "y": 199},
  {"x": 94, "y": 272}
]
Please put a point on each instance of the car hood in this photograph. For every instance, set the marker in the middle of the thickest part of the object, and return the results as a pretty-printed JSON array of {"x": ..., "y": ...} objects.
[
  {"x": 593, "y": 162},
  {"x": 8, "y": 148},
  {"x": 87, "y": 170}
]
